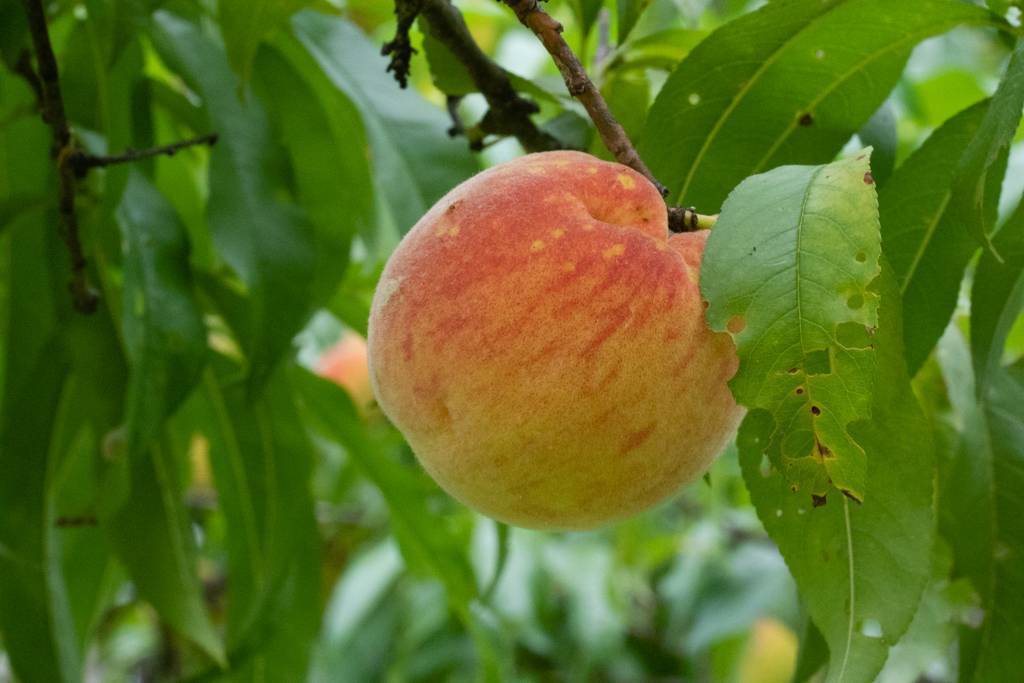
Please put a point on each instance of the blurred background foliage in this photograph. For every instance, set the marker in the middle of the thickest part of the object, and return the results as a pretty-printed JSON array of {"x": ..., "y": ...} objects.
[{"x": 276, "y": 523}]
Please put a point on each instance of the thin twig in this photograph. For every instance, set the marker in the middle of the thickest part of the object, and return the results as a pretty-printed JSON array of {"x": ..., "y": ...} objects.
[
  {"x": 508, "y": 112},
  {"x": 82, "y": 161},
  {"x": 400, "y": 48},
  {"x": 580, "y": 86},
  {"x": 74, "y": 521},
  {"x": 85, "y": 298},
  {"x": 452, "y": 104}
]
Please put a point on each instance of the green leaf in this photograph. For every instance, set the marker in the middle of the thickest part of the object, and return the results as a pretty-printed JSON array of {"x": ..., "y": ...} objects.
[
  {"x": 997, "y": 298},
  {"x": 12, "y": 207},
  {"x": 861, "y": 569},
  {"x": 787, "y": 272},
  {"x": 323, "y": 133},
  {"x": 246, "y": 23},
  {"x": 789, "y": 83},
  {"x": 879, "y": 133},
  {"x": 628, "y": 12},
  {"x": 13, "y": 32},
  {"x": 925, "y": 243},
  {"x": 977, "y": 206},
  {"x": 995, "y": 653},
  {"x": 268, "y": 242},
  {"x": 813, "y": 654},
  {"x": 35, "y": 612},
  {"x": 983, "y": 513},
  {"x": 163, "y": 328},
  {"x": 152, "y": 537},
  {"x": 450, "y": 76},
  {"x": 424, "y": 541},
  {"x": 586, "y": 12},
  {"x": 261, "y": 462},
  {"x": 415, "y": 162},
  {"x": 659, "y": 50}
]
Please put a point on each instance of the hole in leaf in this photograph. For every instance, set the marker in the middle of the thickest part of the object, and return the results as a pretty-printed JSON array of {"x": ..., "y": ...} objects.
[
  {"x": 766, "y": 466},
  {"x": 818, "y": 362},
  {"x": 806, "y": 120},
  {"x": 855, "y": 301},
  {"x": 817, "y": 501},
  {"x": 861, "y": 257},
  {"x": 815, "y": 410},
  {"x": 799, "y": 391},
  {"x": 870, "y": 628},
  {"x": 819, "y": 54},
  {"x": 793, "y": 371},
  {"x": 736, "y": 324},
  {"x": 854, "y": 335},
  {"x": 693, "y": 99}
]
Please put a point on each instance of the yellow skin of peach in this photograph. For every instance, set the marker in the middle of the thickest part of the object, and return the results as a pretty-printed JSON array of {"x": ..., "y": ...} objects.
[{"x": 540, "y": 341}]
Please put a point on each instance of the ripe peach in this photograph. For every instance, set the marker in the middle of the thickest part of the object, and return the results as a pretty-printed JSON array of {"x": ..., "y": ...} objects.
[
  {"x": 345, "y": 363},
  {"x": 540, "y": 341}
]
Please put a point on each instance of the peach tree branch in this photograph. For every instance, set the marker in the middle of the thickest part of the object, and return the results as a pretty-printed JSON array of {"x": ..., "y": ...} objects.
[
  {"x": 47, "y": 84},
  {"x": 581, "y": 87},
  {"x": 82, "y": 161},
  {"x": 508, "y": 112},
  {"x": 71, "y": 161}
]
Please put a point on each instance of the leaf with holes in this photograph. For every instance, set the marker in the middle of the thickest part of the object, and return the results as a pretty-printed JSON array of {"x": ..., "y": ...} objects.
[
  {"x": 861, "y": 569},
  {"x": 787, "y": 271},
  {"x": 927, "y": 247},
  {"x": 789, "y": 83}
]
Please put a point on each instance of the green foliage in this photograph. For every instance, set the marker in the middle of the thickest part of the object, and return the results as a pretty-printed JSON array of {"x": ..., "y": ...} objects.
[
  {"x": 971, "y": 181},
  {"x": 787, "y": 271},
  {"x": 182, "y": 498},
  {"x": 860, "y": 567},
  {"x": 788, "y": 83},
  {"x": 923, "y": 240}
]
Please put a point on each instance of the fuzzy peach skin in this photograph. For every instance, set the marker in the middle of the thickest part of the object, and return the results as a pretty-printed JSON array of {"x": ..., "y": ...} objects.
[{"x": 540, "y": 341}]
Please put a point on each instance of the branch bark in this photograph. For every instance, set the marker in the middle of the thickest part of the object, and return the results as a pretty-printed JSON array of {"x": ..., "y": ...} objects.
[
  {"x": 580, "y": 86},
  {"x": 84, "y": 297},
  {"x": 82, "y": 162},
  {"x": 508, "y": 112},
  {"x": 72, "y": 162}
]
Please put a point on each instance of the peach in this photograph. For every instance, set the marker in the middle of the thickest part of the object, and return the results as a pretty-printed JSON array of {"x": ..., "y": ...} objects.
[
  {"x": 540, "y": 341},
  {"x": 345, "y": 364}
]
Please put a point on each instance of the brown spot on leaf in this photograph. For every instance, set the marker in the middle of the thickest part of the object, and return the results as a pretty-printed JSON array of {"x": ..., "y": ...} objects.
[
  {"x": 799, "y": 391},
  {"x": 815, "y": 410},
  {"x": 793, "y": 371},
  {"x": 868, "y": 178},
  {"x": 736, "y": 324}
]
